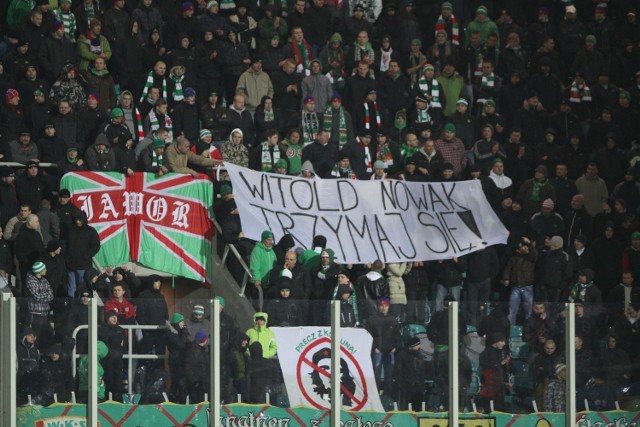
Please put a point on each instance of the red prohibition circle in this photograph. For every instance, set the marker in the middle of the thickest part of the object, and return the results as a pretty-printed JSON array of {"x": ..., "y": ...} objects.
[{"x": 303, "y": 359}]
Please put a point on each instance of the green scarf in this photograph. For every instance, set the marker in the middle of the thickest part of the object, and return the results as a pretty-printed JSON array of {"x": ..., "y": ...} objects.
[
  {"x": 423, "y": 116},
  {"x": 156, "y": 161},
  {"x": 406, "y": 151},
  {"x": 266, "y": 164},
  {"x": 148, "y": 85},
  {"x": 178, "y": 94},
  {"x": 342, "y": 125},
  {"x": 488, "y": 81},
  {"x": 535, "y": 193}
]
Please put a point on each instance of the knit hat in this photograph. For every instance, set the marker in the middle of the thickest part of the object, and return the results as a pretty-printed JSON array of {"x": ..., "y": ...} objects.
[
  {"x": 570, "y": 9},
  {"x": 201, "y": 337},
  {"x": 324, "y": 254},
  {"x": 38, "y": 267},
  {"x": 590, "y": 39},
  {"x": 583, "y": 239},
  {"x": 10, "y": 94},
  {"x": 57, "y": 25},
  {"x": 281, "y": 164},
  {"x": 95, "y": 22},
  {"x": 417, "y": 42},
  {"x": 560, "y": 367},
  {"x": 266, "y": 234},
  {"x": 189, "y": 92},
  {"x": 449, "y": 127},
  {"x": 413, "y": 341},
  {"x": 447, "y": 167},
  {"x": 358, "y": 7},
  {"x": 94, "y": 96},
  {"x": 549, "y": 204},
  {"x": 428, "y": 67},
  {"x": 496, "y": 337},
  {"x": 225, "y": 190},
  {"x": 555, "y": 242},
  {"x": 446, "y": 5},
  {"x": 308, "y": 99},
  {"x": 220, "y": 299},
  {"x": 157, "y": 143},
  {"x": 110, "y": 313},
  {"x": 542, "y": 169},
  {"x": 336, "y": 97},
  {"x": 624, "y": 94},
  {"x": 205, "y": 132},
  {"x": 462, "y": 101},
  {"x": 212, "y": 3},
  {"x": 286, "y": 273},
  {"x": 635, "y": 235},
  {"x": 177, "y": 318},
  {"x": 379, "y": 164},
  {"x": 482, "y": 9},
  {"x": 117, "y": 112},
  {"x": 384, "y": 301},
  {"x": 422, "y": 98},
  {"x": 53, "y": 246},
  {"x": 198, "y": 309},
  {"x": 187, "y": 6}
]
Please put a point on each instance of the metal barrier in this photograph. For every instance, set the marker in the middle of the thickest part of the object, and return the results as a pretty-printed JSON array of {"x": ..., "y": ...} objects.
[{"x": 129, "y": 355}]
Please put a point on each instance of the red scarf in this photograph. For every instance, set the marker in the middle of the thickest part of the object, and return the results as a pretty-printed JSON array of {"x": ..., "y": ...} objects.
[
  {"x": 367, "y": 156},
  {"x": 296, "y": 53}
]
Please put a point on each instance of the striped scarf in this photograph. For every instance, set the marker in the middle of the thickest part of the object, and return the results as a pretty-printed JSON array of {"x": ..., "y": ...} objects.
[
  {"x": 455, "y": 29},
  {"x": 384, "y": 153},
  {"x": 302, "y": 54},
  {"x": 178, "y": 94},
  {"x": 367, "y": 156},
  {"x": 69, "y": 21},
  {"x": 266, "y": 164},
  {"x": 423, "y": 116},
  {"x": 156, "y": 160},
  {"x": 154, "y": 124},
  {"x": 310, "y": 127},
  {"x": 342, "y": 125},
  {"x": 91, "y": 13},
  {"x": 488, "y": 81},
  {"x": 367, "y": 116},
  {"x": 579, "y": 93},
  {"x": 479, "y": 59},
  {"x": 434, "y": 91},
  {"x": 149, "y": 84},
  {"x": 414, "y": 60},
  {"x": 138, "y": 118}
]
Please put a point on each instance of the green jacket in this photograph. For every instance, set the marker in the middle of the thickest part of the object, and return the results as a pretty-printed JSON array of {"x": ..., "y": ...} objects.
[
  {"x": 83, "y": 370},
  {"x": 485, "y": 28},
  {"x": 18, "y": 12},
  {"x": 310, "y": 258},
  {"x": 262, "y": 262},
  {"x": 454, "y": 88},
  {"x": 294, "y": 154},
  {"x": 264, "y": 336},
  {"x": 86, "y": 56}
]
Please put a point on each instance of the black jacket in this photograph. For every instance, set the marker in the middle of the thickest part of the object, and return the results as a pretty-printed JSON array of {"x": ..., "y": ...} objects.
[
  {"x": 385, "y": 331},
  {"x": 151, "y": 308},
  {"x": 83, "y": 244}
]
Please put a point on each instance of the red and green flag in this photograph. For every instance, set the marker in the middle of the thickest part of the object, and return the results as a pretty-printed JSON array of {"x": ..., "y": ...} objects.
[{"x": 163, "y": 223}]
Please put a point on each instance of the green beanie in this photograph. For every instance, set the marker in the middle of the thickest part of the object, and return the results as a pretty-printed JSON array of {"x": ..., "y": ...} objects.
[
  {"x": 177, "y": 318},
  {"x": 117, "y": 112},
  {"x": 219, "y": 298}
]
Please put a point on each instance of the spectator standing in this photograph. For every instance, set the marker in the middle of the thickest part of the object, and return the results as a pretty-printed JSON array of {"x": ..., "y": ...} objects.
[{"x": 82, "y": 245}]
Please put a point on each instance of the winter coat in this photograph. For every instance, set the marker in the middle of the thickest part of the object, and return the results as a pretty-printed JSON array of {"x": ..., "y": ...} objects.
[
  {"x": 264, "y": 336},
  {"x": 82, "y": 245},
  {"x": 196, "y": 365},
  {"x": 262, "y": 261},
  {"x": 397, "y": 291},
  {"x": 260, "y": 373},
  {"x": 87, "y": 56},
  {"x": 235, "y": 154},
  {"x": 54, "y": 54},
  {"x": 385, "y": 332},
  {"x": 151, "y": 308},
  {"x": 449, "y": 273},
  {"x": 520, "y": 267},
  {"x": 216, "y": 120}
]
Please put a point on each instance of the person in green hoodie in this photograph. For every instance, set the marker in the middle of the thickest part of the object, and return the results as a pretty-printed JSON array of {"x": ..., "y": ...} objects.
[
  {"x": 453, "y": 87},
  {"x": 483, "y": 24},
  {"x": 293, "y": 150},
  {"x": 263, "y": 259},
  {"x": 332, "y": 61},
  {"x": 83, "y": 374},
  {"x": 18, "y": 12},
  {"x": 262, "y": 334}
]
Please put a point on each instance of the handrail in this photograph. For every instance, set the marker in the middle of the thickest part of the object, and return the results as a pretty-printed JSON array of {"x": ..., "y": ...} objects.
[
  {"x": 22, "y": 165},
  {"x": 129, "y": 355},
  {"x": 231, "y": 248}
]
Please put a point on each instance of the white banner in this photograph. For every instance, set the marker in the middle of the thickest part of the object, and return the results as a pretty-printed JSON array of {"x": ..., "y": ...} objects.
[
  {"x": 305, "y": 359},
  {"x": 395, "y": 221}
]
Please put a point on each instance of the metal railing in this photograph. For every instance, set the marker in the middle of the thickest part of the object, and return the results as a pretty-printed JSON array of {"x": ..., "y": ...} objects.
[{"x": 129, "y": 355}]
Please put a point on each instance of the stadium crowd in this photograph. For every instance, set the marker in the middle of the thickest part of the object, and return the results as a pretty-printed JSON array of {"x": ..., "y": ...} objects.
[{"x": 539, "y": 100}]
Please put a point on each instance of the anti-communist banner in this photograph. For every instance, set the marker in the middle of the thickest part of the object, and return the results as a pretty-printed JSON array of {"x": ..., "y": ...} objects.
[{"x": 391, "y": 220}]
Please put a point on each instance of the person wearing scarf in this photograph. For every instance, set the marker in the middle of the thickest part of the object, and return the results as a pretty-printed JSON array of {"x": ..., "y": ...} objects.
[
  {"x": 533, "y": 191},
  {"x": 584, "y": 289},
  {"x": 310, "y": 124},
  {"x": 132, "y": 116},
  {"x": 300, "y": 50},
  {"x": 266, "y": 155},
  {"x": 409, "y": 147},
  {"x": 72, "y": 162},
  {"x": 156, "y": 78},
  {"x": 449, "y": 23},
  {"x": 429, "y": 86},
  {"x": 441, "y": 50},
  {"x": 487, "y": 86},
  {"x": 332, "y": 59},
  {"x": 417, "y": 61},
  {"x": 338, "y": 123},
  {"x": 387, "y": 151},
  {"x": 361, "y": 154},
  {"x": 176, "y": 74},
  {"x": 362, "y": 50},
  {"x": 421, "y": 118},
  {"x": 64, "y": 14},
  {"x": 152, "y": 158},
  {"x": 342, "y": 168},
  {"x": 372, "y": 115},
  {"x": 92, "y": 45},
  {"x": 579, "y": 92},
  {"x": 158, "y": 117}
]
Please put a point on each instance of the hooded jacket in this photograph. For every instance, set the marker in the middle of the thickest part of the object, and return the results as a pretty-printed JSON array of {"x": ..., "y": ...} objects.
[
  {"x": 263, "y": 335},
  {"x": 101, "y": 161},
  {"x": 236, "y": 154},
  {"x": 82, "y": 245},
  {"x": 263, "y": 260},
  {"x": 83, "y": 370}
]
